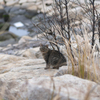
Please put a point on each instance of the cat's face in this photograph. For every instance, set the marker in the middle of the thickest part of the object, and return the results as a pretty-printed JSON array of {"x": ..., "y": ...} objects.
[{"x": 44, "y": 48}]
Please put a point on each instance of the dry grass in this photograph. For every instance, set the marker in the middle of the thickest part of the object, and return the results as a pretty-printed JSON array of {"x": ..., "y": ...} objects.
[{"x": 86, "y": 64}]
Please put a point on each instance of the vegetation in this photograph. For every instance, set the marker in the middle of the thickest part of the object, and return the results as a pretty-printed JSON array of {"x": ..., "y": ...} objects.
[{"x": 72, "y": 26}]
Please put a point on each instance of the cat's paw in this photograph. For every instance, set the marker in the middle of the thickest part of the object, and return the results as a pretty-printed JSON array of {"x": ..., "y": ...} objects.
[
  {"x": 46, "y": 68},
  {"x": 55, "y": 68}
]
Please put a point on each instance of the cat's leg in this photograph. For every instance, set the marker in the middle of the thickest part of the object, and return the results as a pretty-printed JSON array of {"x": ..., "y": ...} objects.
[
  {"x": 55, "y": 67},
  {"x": 47, "y": 66}
]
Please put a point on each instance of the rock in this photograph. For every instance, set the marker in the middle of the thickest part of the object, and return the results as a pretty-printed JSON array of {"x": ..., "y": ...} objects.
[
  {"x": 37, "y": 52},
  {"x": 23, "y": 45},
  {"x": 77, "y": 10},
  {"x": 12, "y": 2},
  {"x": 21, "y": 18},
  {"x": 38, "y": 18},
  {"x": 8, "y": 42},
  {"x": 32, "y": 53},
  {"x": 7, "y": 8},
  {"x": 5, "y": 35},
  {"x": 22, "y": 1},
  {"x": 20, "y": 68},
  {"x": 48, "y": 9},
  {"x": 20, "y": 12},
  {"x": 65, "y": 87},
  {"x": 1, "y": 2},
  {"x": 18, "y": 31},
  {"x": 1, "y": 21},
  {"x": 4, "y": 26},
  {"x": 32, "y": 0},
  {"x": 30, "y": 43},
  {"x": 29, "y": 53},
  {"x": 30, "y": 13},
  {"x": 24, "y": 39},
  {"x": 26, "y": 5},
  {"x": 14, "y": 9},
  {"x": 32, "y": 7},
  {"x": 98, "y": 9}
]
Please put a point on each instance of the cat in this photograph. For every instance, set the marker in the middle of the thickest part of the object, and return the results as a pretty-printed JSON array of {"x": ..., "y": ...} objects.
[{"x": 53, "y": 58}]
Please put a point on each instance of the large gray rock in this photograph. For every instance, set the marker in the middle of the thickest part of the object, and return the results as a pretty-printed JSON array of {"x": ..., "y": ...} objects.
[
  {"x": 12, "y": 2},
  {"x": 7, "y": 42},
  {"x": 19, "y": 68},
  {"x": 4, "y": 35},
  {"x": 30, "y": 13},
  {"x": 32, "y": 53},
  {"x": 4, "y": 27},
  {"x": 24, "y": 47},
  {"x": 65, "y": 87}
]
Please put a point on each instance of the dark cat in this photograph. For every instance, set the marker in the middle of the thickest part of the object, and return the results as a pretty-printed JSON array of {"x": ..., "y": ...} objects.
[{"x": 53, "y": 58}]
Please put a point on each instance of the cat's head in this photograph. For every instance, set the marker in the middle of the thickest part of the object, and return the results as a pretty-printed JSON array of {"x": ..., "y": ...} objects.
[{"x": 44, "y": 48}]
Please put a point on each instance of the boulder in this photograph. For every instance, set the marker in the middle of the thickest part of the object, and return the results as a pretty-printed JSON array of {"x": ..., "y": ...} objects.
[
  {"x": 5, "y": 35},
  {"x": 1, "y": 21},
  {"x": 20, "y": 68},
  {"x": 12, "y": 3},
  {"x": 37, "y": 52},
  {"x": 4, "y": 26},
  {"x": 30, "y": 42},
  {"x": 29, "y": 53},
  {"x": 30, "y": 13},
  {"x": 8, "y": 42},
  {"x": 24, "y": 39},
  {"x": 66, "y": 87},
  {"x": 32, "y": 53}
]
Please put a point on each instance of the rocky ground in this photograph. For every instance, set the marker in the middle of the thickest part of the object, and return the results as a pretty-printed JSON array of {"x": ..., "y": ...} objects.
[{"x": 22, "y": 73}]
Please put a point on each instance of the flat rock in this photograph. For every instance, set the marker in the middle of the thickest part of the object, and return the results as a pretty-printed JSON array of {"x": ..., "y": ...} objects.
[
  {"x": 32, "y": 53},
  {"x": 24, "y": 39},
  {"x": 12, "y": 2},
  {"x": 20, "y": 68},
  {"x": 22, "y": 1}
]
